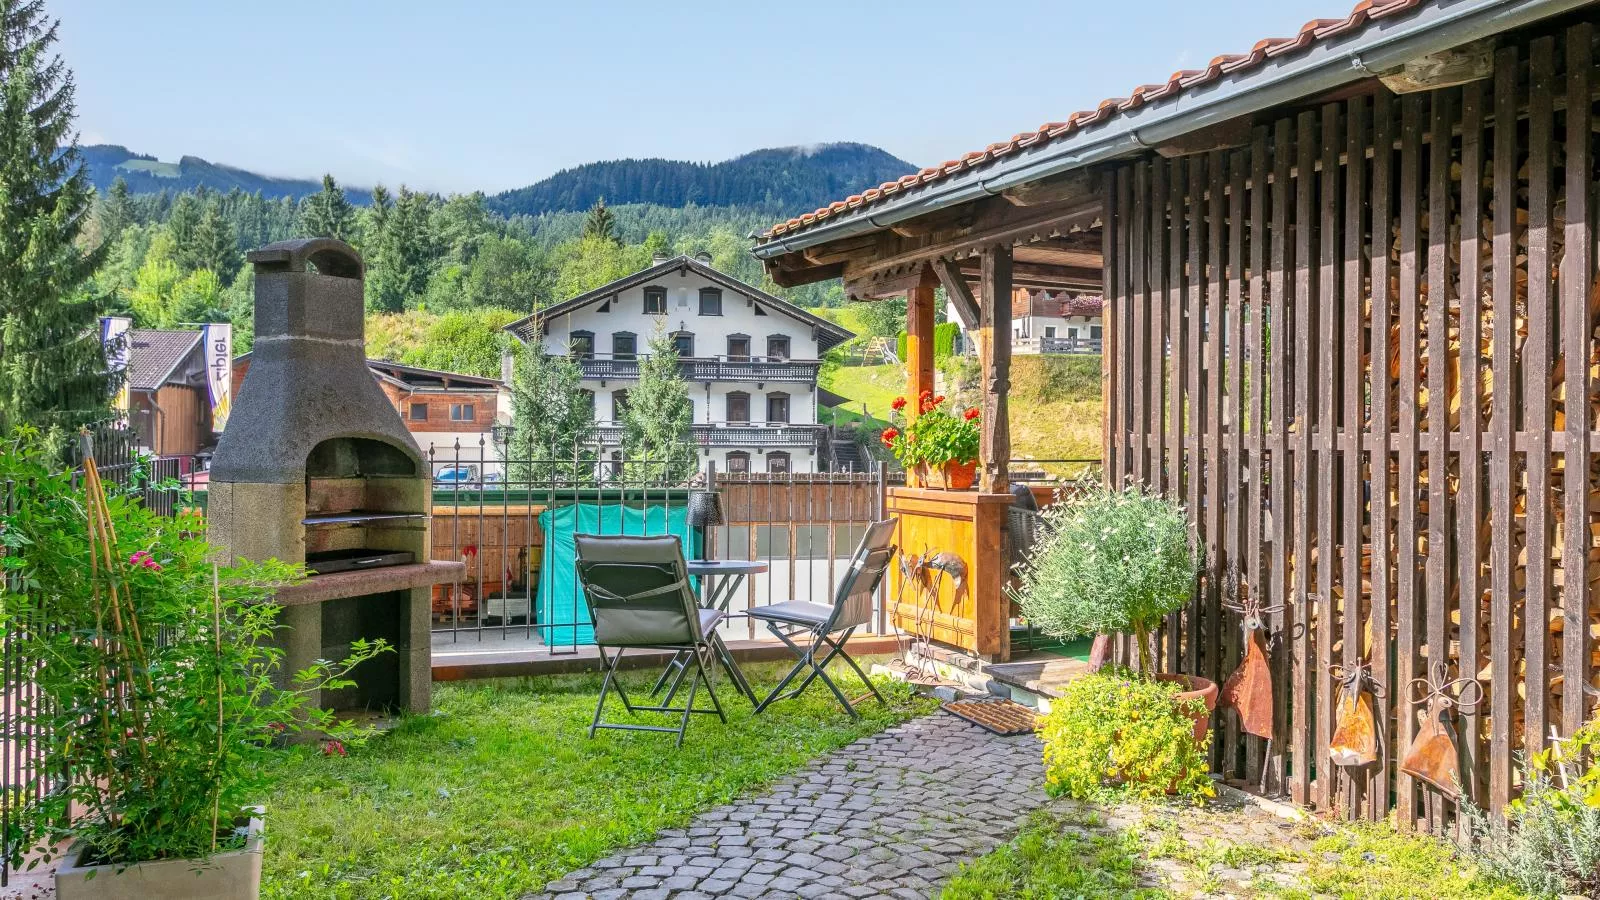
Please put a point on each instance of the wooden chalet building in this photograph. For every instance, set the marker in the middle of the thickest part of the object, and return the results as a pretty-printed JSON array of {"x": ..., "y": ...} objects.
[
  {"x": 1350, "y": 323},
  {"x": 168, "y": 403}
]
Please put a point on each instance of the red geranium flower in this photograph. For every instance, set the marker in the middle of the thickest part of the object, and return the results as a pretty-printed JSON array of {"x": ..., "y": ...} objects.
[
  {"x": 970, "y": 414},
  {"x": 938, "y": 400},
  {"x": 888, "y": 436},
  {"x": 898, "y": 404}
]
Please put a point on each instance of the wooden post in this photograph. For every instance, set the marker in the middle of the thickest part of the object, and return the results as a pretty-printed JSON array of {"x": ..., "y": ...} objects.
[
  {"x": 919, "y": 339},
  {"x": 995, "y": 333}
]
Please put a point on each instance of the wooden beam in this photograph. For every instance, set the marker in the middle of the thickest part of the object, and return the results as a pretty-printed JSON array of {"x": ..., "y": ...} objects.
[
  {"x": 959, "y": 292},
  {"x": 919, "y": 336},
  {"x": 1002, "y": 223},
  {"x": 1459, "y": 65},
  {"x": 1068, "y": 186},
  {"x": 1222, "y": 136},
  {"x": 1065, "y": 275},
  {"x": 884, "y": 284},
  {"x": 1050, "y": 256},
  {"x": 995, "y": 336}
]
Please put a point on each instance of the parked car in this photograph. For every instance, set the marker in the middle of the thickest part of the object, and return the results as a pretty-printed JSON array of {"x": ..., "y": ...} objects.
[{"x": 458, "y": 477}]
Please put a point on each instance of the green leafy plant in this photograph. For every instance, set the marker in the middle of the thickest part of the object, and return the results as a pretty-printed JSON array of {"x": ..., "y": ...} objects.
[
  {"x": 1113, "y": 731},
  {"x": 1548, "y": 843},
  {"x": 1109, "y": 561},
  {"x": 152, "y": 670},
  {"x": 936, "y": 437}
]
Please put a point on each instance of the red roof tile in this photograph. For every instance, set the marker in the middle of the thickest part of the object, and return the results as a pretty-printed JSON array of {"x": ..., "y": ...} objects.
[{"x": 1228, "y": 64}]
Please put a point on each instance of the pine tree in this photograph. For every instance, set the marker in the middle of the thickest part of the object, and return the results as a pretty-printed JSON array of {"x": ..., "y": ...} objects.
[
  {"x": 657, "y": 437},
  {"x": 116, "y": 211},
  {"x": 53, "y": 372},
  {"x": 213, "y": 246},
  {"x": 600, "y": 223},
  {"x": 328, "y": 213},
  {"x": 401, "y": 259},
  {"x": 552, "y": 420}
]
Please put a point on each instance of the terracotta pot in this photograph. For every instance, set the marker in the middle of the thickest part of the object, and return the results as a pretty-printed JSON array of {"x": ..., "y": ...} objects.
[
  {"x": 1196, "y": 688},
  {"x": 949, "y": 476}
]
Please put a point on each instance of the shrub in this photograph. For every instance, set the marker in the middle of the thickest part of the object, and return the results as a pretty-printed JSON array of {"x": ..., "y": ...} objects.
[
  {"x": 155, "y": 693},
  {"x": 1113, "y": 731},
  {"x": 1109, "y": 561},
  {"x": 1548, "y": 844}
]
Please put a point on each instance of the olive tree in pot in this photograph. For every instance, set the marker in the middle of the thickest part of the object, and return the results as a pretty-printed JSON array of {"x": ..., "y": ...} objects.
[
  {"x": 152, "y": 699},
  {"x": 1119, "y": 561}
]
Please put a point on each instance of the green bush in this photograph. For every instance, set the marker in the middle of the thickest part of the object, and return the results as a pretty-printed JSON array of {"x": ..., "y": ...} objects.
[
  {"x": 900, "y": 346},
  {"x": 1548, "y": 844},
  {"x": 1110, "y": 561},
  {"x": 944, "y": 339},
  {"x": 1115, "y": 732}
]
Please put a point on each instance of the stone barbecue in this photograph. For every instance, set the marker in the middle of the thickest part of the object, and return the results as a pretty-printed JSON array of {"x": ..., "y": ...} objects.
[{"x": 316, "y": 467}]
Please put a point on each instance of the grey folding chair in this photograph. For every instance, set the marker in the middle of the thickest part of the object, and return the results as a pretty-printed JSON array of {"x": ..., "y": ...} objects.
[
  {"x": 639, "y": 598},
  {"x": 818, "y": 626}
]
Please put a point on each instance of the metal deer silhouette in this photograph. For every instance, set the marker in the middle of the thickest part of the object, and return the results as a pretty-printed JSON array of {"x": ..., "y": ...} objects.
[
  {"x": 1432, "y": 755},
  {"x": 1355, "y": 737},
  {"x": 1249, "y": 688}
]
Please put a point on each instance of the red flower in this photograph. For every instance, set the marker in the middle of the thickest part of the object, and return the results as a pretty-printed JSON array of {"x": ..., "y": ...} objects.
[
  {"x": 888, "y": 436},
  {"x": 970, "y": 414},
  {"x": 925, "y": 395},
  {"x": 898, "y": 404},
  {"x": 332, "y": 747},
  {"x": 938, "y": 400}
]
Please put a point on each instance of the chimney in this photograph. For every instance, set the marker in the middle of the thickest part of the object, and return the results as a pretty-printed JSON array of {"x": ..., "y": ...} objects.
[
  {"x": 703, "y": 257},
  {"x": 508, "y": 366},
  {"x": 659, "y": 257}
]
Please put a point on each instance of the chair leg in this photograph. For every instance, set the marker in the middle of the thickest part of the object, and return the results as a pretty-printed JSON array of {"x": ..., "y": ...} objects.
[
  {"x": 677, "y": 680},
  {"x": 805, "y": 660},
  {"x": 688, "y": 708},
  {"x": 862, "y": 675},
  {"x": 672, "y": 667},
  {"x": 605, "y": 687},
  {"x": 711, "y": 688}
]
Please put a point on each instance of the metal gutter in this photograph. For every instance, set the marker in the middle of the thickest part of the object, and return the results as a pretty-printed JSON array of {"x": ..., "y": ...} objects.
[{"x": 1327, "y": 65}]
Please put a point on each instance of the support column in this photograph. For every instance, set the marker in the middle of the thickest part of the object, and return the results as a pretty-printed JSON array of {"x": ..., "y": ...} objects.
[
  {"x": 994, "y": 336},
  {"x": 919, "y": 338}
]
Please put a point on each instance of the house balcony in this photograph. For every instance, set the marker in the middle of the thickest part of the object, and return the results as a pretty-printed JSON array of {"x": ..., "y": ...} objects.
[
  {"x": 1052, "y": 345},
  {"x": 759, "y": 369},
  {"x": 737, "y": 435}
]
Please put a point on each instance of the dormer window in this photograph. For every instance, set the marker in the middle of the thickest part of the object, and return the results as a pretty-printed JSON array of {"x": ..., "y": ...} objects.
[
  {"x": 710, "y": 301},
  {"x": 655, "y": 301}
]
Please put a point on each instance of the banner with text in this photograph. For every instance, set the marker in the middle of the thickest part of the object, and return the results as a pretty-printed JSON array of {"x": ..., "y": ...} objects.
[{"x": 219, "y": 372}]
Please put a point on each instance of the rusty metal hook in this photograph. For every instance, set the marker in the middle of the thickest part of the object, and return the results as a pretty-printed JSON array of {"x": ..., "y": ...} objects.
[{"x": 1439, "y": 686}]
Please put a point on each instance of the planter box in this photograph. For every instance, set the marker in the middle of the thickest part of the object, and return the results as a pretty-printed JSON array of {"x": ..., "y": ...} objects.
[{"x": 235, "y": 875}]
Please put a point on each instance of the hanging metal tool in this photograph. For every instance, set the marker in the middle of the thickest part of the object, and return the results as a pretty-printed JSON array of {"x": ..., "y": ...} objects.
[
  {"x": 1433, "y": 756},
  {"x": 1355, "y": 737},
  {"x": 1249, "y": 688}
]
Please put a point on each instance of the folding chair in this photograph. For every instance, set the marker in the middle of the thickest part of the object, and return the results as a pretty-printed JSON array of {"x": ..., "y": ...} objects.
[
  {"x": 817, "y": 624},
  {"x": 639, "y": 598}
]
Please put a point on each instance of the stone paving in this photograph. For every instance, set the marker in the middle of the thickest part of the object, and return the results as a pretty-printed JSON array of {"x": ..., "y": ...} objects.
[{"x": 890, "y": 816}]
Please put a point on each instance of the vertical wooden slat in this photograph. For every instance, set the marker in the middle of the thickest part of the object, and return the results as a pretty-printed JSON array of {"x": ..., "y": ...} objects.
[
  {"x": 1502, "y": 466},
  {"x": 1304, "y": 499},
  {"x": 994, "y": 450},
  {"x": 1469, "y": 493},
  {"x": 1324, "y": 422},
  {"x": 1196, "y": 399},
  {"x": 1138, "y": 292},
  {"x": 1382, "y": 398},
  {"x": 1124, "y": 299},
  {"x": 1577, "y": 272},
  {"x": 1411, "y": 125},
  {"x": 1178, "y": 334},
  {"x": 1536, "y": 419},
  {"x": 1216, "y": 210},
  {"x": 1254, "y": 419},
  {"x": 1352, "y": 418},
  {"x": 1109, "y": 395},
  {"x": 1436, "y": 587},
  {"x": 1157, "y": 273},
  {"x": 1233, "y": 360},
  {"x": 1279, "y": 412}
]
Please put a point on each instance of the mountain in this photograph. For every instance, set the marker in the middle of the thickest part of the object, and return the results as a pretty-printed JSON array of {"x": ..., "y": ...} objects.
[
  {"x": 146, "y": 174},
  {"x": 783, "y": 178}
]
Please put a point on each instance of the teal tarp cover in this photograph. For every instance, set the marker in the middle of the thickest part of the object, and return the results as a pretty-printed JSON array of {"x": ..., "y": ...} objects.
[{"x": 563, "y": 616}]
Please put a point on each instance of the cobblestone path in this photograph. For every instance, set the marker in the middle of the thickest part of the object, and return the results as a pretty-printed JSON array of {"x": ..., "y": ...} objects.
[{"x": 891, "y": 815}]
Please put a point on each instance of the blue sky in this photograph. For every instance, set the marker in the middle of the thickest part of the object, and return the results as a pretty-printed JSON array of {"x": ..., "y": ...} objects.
[{"x": 494, "y": 94}]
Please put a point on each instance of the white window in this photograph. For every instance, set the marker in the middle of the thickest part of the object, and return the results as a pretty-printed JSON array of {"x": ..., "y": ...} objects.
[{"x": 461, "y": 412}]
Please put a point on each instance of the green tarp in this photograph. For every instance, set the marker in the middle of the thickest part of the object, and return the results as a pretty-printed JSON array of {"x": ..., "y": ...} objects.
[{"x": 563, "y": 616}]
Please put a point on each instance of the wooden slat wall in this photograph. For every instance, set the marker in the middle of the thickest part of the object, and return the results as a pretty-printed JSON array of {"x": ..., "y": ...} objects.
[{"x": 1361, "y": 350}]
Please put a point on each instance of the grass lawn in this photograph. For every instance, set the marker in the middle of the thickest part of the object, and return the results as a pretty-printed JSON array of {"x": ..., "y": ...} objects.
[
  {"x": 500, "y": 790},
  {"x": 876, "y": 386}
]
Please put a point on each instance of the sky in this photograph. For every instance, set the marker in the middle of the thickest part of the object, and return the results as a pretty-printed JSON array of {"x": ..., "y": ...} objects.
[{"x": 494, "y": 94}]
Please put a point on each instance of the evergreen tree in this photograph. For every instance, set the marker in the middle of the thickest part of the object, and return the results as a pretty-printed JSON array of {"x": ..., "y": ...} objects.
[
  {"x": 183, "y": 220},
  {"x": 599, "y": 223},
  {"x": 553, "y": 427},
  {"x": 53, "y": 372},
  {"x": 213, "y": 245},
  {"x": 402, "y": 258},
  {"x": 657, "y": 438},
  {"x": 116, "y": 211},
  {"x": 328, "y": 213}
]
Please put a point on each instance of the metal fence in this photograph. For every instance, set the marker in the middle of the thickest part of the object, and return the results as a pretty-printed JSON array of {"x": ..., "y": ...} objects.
[{"x": 512, "y": 525}]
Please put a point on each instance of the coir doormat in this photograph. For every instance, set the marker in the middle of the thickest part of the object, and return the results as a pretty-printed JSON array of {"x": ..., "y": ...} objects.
[{"x": 1003, "y": 717}]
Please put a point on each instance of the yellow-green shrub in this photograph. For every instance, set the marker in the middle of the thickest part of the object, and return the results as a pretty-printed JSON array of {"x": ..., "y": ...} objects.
[{"x": 1113, "y": 731}]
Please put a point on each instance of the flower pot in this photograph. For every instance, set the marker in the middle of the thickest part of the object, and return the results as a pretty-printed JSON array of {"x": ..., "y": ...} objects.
[
  {"x": 952, "y": 476},
  {"x": 234, "y": 875},
  {"x": 1196, "y": 688}
]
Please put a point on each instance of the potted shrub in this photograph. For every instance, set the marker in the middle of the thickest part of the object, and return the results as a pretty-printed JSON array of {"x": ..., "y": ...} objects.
[
  {"x": 156, "y": 704},
  {"x": 937, "y": 449},
  {"x": 1119, "y": 561}
]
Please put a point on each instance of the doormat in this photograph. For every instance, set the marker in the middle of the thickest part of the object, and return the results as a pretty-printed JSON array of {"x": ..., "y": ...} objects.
[{"x": 1003, "y": 717}]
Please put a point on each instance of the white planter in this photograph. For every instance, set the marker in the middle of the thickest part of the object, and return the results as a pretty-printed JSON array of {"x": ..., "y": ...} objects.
[{"x": 235, "y": 875}]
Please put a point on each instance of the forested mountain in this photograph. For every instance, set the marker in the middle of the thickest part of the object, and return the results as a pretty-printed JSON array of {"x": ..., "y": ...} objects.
[
  {"x": 784, "y": 179},
  {"x": 147, "y": 175}
]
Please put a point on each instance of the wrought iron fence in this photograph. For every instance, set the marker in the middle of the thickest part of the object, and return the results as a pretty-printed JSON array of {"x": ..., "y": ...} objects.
[{"x": 511, "y": 521}]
